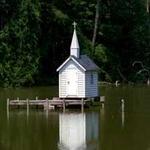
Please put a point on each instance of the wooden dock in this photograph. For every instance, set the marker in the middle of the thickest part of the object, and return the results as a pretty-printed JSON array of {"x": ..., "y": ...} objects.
[
  {"x": 47, "y": 104},
  {"x": 50, "y": 104}
]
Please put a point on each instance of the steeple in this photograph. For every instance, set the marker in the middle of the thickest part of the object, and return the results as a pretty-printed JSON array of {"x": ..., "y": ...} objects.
[{"x": 74, "y": 48}]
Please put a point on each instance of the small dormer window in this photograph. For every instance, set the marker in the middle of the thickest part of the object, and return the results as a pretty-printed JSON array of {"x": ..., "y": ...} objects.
[{"x": 92, "y": 78}]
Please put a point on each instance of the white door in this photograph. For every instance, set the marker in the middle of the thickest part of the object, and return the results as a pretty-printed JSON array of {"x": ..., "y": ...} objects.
[{"x": 72, "y": 83}]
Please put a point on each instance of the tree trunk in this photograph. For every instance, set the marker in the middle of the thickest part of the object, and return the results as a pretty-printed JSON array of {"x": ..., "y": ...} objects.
[
  {"x": 95, "y": 25},
  {"x": 121, "y": 75},
  {"x": 147, "y": 5}
]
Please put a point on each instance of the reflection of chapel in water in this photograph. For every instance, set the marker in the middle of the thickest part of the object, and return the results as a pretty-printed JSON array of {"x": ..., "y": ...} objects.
[{"x": 78, "y": 131}]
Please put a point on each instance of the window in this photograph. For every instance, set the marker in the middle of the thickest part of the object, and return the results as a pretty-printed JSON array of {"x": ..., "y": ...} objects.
[{"x": 92, "y": 78}]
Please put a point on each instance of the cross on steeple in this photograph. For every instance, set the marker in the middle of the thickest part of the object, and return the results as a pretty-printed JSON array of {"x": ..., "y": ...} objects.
[
  {"x": 74, "y": 48},
  {"x": 74, "y": 24}
]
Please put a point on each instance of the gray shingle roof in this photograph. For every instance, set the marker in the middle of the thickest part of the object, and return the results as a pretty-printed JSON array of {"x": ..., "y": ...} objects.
[{"x": 86, "y": 62}]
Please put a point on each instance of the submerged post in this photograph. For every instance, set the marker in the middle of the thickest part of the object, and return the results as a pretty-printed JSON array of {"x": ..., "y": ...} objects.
[
  {"x": 18, "y": 101},
  {"x": 27, "y": 106},
  {"x": 122, "y": 112},
  {"x": 7, "y": 103},
  {"x": 122, "y": 105},
  {"x": 36, "y": 98},
  {"x": 47, "y": 106},
  {"x": 7, "y": 108}
]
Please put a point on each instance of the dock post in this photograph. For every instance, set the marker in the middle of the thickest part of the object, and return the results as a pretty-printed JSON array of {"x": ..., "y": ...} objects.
[
  {"x": 8, "y": 104},
  {"x": 122, "y": 112},
  {"x": 27, "y": 106},
  {"x": 102, "y": 100},
  {"x": 63, "y": 105},
  {"x": 82, "y": 105},
  {"x": 36, "y": 98},
  {"x": 18, "y": 100},
  {"x": 47, "y": 107},
  {"x": 47, "y": 102},
  {"x": 8, "y": 108}
]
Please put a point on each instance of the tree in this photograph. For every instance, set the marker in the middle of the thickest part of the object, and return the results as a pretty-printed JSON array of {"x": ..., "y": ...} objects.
[{"x": 19, "y": 46}]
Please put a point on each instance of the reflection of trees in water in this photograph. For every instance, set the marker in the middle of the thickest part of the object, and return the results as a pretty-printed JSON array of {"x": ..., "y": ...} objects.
[
  {"x": 78, "y": 131},
  {"x": 38, "y": 132}
]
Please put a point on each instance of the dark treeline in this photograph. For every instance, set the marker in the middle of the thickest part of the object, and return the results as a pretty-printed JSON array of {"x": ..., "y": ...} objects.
[{"x": 35, "y": 37}]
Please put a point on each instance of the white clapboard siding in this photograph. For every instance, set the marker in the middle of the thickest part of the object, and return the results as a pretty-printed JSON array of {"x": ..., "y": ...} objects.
[
  {"x": 80, "y": 80},
  {"x": 81, "y": 84},
  {"x": 62, "y": 83},
  {"x": 91, "y": 89},
  {"x": 84, "y": 86}
]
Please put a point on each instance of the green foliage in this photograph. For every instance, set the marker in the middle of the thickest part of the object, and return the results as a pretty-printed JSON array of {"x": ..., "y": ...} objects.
[
  {"x": 101, "y": 53},
  {"x": 18, "y": 49},
  {"x": 60, "y": 17}
]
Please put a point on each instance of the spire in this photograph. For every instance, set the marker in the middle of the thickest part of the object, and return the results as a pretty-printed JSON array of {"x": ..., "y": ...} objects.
[{"x": 74, "y": 48}]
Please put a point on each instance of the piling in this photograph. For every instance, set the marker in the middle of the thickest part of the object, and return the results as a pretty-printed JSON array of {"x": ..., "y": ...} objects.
[
  {"x": 8, "y": 104},
  {"x": 47, "y": 104},
  {"x": 18, "y": 101},
  {"x": 36, "y": 98},
  {"x": 47, "y": 107},
  {"x": 102, "y": 100},
  {"x": 122, "y": 112},
  {"x": 7, "y": 108},
  {"x": 27, "y": 106},
  {"x": 122, "y": 104}
]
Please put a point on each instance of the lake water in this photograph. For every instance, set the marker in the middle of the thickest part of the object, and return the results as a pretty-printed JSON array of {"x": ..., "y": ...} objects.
[{"x": 112, "y": 127}]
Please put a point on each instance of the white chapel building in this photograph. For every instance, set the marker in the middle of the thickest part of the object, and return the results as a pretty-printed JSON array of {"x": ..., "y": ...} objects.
[{"x": 78, "y": 75}]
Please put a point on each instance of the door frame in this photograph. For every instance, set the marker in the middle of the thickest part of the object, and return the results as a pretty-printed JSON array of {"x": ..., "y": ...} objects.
[{"x": 72, "y": 83}]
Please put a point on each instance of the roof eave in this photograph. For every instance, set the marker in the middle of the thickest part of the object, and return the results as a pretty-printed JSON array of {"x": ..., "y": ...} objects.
[
  {"x": 61, "y": 66},
  {"x": 78, "y": 63}
]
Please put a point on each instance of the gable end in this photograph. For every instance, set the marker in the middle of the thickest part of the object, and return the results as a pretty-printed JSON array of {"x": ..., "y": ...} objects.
[{"x": 75, "y": 61}]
